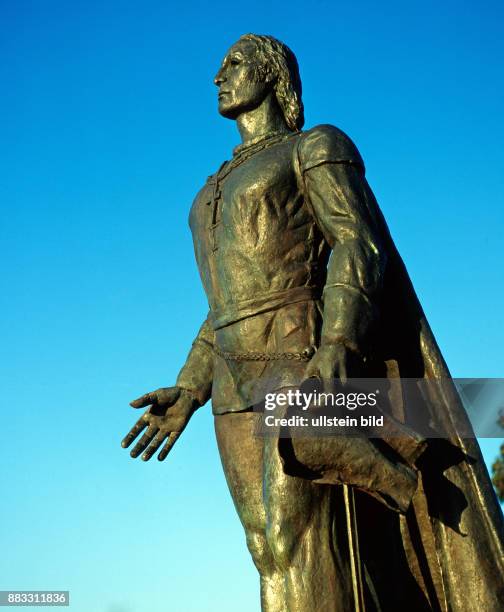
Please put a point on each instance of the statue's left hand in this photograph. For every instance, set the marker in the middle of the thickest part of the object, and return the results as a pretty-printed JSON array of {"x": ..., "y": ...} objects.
[
  {"x": 169, "y": 412},
  {"x": 330, "y": 362}
]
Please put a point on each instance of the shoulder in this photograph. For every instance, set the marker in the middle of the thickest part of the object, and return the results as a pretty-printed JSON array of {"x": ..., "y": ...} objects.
[{"x": 324, "y": 144}]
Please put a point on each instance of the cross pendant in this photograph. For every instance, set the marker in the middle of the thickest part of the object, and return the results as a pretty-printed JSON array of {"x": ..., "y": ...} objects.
[{"x": 215, "y": 219}]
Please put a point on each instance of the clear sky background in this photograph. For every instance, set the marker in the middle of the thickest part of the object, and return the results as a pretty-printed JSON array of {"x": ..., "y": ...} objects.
[{"x": 108, "y": 128}]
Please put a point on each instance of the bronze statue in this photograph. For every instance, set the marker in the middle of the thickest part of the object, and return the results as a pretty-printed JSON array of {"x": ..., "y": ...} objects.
[{"x": 303, "y": 280}]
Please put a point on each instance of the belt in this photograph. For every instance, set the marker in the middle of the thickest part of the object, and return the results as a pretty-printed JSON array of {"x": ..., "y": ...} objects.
[{"x": 304, "y": 355}]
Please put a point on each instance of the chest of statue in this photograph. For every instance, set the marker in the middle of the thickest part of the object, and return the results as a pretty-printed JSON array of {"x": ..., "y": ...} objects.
[
  {"x": 245, "y": 201},
  {"x": 251, "y": 228}
]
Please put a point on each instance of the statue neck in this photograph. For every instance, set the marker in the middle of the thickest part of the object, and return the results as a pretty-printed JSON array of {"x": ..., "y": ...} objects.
[{"x": 265, "y": 119}]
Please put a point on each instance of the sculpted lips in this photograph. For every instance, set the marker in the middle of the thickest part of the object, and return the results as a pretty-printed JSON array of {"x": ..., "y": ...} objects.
[{"x": 222, "y": 93}]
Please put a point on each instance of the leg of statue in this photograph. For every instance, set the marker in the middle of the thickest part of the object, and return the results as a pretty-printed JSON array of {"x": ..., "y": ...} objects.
[
  {"x": 242, "y": 459},
  {"x": 295, "y": 531},
  {"x": 306, "y": 532}
]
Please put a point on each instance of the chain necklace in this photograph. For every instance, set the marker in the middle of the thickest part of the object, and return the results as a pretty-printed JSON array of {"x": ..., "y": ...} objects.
[
  {"x": 241, "y": 154},
  {"x": 242, "y": 148}
]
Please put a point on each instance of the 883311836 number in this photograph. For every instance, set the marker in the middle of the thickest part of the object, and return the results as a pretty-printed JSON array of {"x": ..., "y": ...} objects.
[{"x": 34, "y": 598}]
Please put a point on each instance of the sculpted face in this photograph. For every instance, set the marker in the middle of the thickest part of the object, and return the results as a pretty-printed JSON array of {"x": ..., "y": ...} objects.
[{"x": 239, "y": 90}]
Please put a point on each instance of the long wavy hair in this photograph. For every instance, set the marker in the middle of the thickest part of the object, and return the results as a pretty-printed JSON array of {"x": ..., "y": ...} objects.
[{"x": 278, "y": 62}]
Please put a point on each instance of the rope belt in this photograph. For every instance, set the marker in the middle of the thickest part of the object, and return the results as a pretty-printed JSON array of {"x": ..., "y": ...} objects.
[{"x": 304, "y": 355}]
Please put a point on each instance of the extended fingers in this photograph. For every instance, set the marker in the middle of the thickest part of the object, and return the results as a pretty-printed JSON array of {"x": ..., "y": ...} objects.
[
  {"x": 168, "y": 445},
  {"x": 145, "y": 440},
  {"x": 154, "y": 445},
  {"x": 137, "y": 428}
]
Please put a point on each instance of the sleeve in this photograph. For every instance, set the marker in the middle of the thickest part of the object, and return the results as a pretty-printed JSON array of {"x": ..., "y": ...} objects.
[
  {"x": 332, "y": 175},
  {"x": 197, "y": 373}
]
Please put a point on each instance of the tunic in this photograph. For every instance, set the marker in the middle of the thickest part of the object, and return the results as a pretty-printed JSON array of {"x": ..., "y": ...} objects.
[{"x": 262, "y": 248}]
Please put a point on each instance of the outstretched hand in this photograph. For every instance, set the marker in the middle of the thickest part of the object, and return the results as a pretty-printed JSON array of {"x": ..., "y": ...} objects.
[{"x": 169, "y": 412}]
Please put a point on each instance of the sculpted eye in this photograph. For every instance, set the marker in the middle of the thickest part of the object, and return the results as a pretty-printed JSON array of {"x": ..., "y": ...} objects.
[{"x": 234, "y": 61}]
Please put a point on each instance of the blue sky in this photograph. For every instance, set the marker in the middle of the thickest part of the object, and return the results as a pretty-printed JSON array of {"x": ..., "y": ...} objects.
[{"x": 109, "y": 127}]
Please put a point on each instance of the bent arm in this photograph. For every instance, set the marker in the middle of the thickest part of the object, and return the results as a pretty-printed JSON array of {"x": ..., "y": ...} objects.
[
  {"x": 346, "y": 212},
  {"x": 196, "y": 374}
]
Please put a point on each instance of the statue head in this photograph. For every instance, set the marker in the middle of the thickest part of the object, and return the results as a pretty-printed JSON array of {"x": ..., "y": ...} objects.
[{"x": 256, "y": 67}]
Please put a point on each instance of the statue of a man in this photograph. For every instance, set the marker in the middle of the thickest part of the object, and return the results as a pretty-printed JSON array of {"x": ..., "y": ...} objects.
[{"x": 303, "y": 280}]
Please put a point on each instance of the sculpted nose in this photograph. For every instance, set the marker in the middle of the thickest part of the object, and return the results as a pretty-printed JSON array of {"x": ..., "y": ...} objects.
[{"x": 219, "y": 77}]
